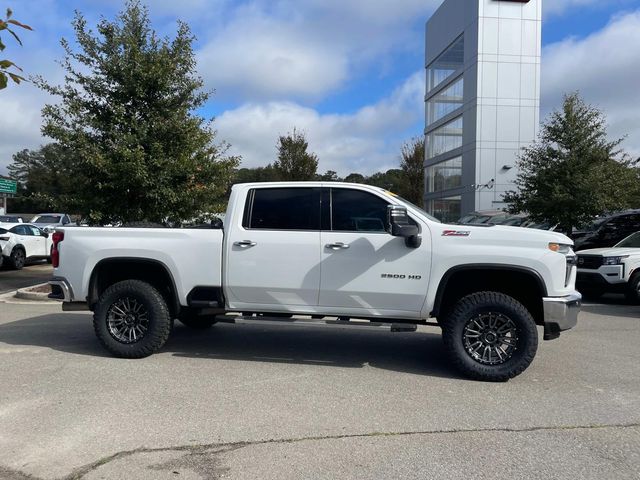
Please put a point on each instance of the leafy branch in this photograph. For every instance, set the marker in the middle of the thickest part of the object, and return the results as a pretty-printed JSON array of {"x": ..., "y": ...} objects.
[{"x": 5, "y": 65}]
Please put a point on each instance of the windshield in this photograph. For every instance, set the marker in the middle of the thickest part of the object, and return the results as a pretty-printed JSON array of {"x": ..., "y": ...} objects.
[
  {"x": 2, "y": 230},
  {"x": 632, "y": 241},
  {"x": 8, "y": 219},
  {"x": 46, "y": 219}
]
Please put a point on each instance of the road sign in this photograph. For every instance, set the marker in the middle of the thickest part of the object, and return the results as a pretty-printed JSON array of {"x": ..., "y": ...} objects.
[{"x": 8, "y": 186}]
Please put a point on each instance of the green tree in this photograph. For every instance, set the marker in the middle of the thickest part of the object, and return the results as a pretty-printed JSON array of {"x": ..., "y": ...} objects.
[
  {"x": 329, "y": 176},
  {"x": 390, "y": 180},
  {"x": 6, "y": 26},
  {"x": 45, "y": 179},
  {"x": 294, "y": 162},
  {"x": 573, "y": 172},
  {"x": 127, "y": 118},
  {"x": 412, "y": 166},
  {"x": 355, "y": 178},
  {"x": 257, "y": 174}
]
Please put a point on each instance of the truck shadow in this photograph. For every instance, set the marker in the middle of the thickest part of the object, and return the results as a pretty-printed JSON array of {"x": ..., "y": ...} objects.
[{"x": 419, "y": 353}]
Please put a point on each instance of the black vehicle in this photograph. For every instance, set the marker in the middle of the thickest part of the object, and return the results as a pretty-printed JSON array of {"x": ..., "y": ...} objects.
[{"x": 607, "y": 231}]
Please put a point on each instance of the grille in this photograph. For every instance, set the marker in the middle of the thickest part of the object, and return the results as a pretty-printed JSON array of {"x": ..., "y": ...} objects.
[{"x": 591, "y": 262}]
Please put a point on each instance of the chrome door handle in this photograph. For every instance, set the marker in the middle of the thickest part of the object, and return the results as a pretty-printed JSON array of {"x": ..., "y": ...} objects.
[
  {"x": 337, "y": 246},
  {"x": 245, "y": 244}
]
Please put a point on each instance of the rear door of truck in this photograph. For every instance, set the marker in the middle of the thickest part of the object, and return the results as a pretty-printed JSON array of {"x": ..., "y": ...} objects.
[{"x": 272, "y": 250}]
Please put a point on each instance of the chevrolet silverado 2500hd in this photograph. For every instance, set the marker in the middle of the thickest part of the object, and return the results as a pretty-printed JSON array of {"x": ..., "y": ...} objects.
[{"x": 322, "y": 250}]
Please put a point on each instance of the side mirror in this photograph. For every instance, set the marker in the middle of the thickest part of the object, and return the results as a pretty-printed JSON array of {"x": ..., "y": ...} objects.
[
  {"x": 400, "y": 226},
  {"x": 217, "y": 223}
]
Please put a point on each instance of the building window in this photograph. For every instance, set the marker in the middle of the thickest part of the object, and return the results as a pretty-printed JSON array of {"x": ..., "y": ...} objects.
[
  {"x": 447, "y": 210},
  {"x": 445, "y": 138},
  {"x": 444, "y": 175},
  {"x": 447, "y": 63},
  {"x": 445, "y": 102}
]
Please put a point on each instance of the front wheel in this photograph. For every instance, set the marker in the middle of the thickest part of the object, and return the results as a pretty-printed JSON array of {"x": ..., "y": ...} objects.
[
  {"x": 490, "y": 336},
  {"x": 633, "y": 289},
  {"x": 17, "y": 259},
  {"x": 131, "y": 319}
]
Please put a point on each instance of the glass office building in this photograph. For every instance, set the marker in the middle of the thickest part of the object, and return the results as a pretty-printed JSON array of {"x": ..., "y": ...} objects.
[{"x": 482, "y": 101}]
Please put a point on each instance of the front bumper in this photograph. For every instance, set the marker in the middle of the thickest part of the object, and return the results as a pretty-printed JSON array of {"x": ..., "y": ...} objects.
[{"x": 560, "y": 313}]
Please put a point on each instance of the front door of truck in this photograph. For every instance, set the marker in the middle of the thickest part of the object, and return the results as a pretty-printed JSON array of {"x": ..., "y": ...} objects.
[
  {"x": 273, "y": 257},
  {"x": 364, "y": 269}
]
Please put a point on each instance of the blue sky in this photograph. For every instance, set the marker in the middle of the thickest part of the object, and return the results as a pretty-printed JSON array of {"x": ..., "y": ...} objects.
[{"x": 349, "y": 73}]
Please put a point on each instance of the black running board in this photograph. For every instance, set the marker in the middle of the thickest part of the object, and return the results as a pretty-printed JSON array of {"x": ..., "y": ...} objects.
[{"x": 304, "y": 322}]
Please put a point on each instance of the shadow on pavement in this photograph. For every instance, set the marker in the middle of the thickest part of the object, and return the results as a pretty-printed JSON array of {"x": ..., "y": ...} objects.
[
  {"x": 612, "y": 304},
  {"x": 419, "y": 353}
]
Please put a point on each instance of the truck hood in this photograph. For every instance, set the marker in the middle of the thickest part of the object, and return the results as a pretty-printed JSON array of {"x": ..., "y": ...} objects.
[
  {"x": 610, "y": 251},
  {"x": 502, "y": 234}
]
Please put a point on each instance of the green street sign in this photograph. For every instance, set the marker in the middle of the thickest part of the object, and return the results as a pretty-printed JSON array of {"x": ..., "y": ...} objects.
[{"x": 8, "y": 186}]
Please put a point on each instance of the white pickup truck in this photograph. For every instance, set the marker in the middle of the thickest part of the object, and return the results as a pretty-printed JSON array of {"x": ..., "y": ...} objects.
[
  {"x": 615, "y": 269},
  {"x": 306, "y": 252}
]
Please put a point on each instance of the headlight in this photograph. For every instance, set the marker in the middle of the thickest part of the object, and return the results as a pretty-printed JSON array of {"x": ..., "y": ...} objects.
[
  {"x": 560, "y": 248},
  {"x": 613, "y": 260}
]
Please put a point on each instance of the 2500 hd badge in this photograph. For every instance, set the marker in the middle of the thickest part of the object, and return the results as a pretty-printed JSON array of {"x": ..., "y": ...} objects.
[{"x": 398, "y": 276}]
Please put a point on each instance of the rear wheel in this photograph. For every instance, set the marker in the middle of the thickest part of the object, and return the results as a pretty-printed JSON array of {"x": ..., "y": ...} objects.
[
  {"x": 131, "y": 319},
  {"x": 490, "y": 336},
  {"x": 17, "y": 259}
]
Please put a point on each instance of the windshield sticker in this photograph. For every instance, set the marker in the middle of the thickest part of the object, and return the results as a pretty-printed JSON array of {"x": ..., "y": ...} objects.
[{"x": 456, "y": 233}]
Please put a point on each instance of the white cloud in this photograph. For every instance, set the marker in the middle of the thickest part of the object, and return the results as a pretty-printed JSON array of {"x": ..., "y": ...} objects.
[
  {"x": 557, "y": 7},
  {"x": 604, "y": 67},
  {"x": 365, "y": 141},
  {"x": 260, "y": 57},
  {"x": 306, "y": 49}
]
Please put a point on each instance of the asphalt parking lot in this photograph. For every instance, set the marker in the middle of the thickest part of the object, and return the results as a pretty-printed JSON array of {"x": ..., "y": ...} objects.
[
  {"x": 253, "y": 402},
  {"x": 32, "y": 274}
]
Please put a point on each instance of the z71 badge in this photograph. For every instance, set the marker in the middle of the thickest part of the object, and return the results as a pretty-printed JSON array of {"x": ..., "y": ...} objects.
[{"x": 456, "y": 233}]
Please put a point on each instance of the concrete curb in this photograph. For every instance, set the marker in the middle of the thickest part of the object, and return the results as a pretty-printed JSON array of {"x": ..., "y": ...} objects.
[{"x": 25, "y": 294}]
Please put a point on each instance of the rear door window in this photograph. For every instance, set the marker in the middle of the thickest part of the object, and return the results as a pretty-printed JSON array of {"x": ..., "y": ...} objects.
[{"x": 283, "y": 209}]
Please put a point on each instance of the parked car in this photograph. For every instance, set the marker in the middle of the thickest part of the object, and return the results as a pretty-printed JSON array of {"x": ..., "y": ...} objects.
[
  {"x": 49, "y": 221},
  {"x": 607, "y": 231},
  {"x": 371, "y": 259},
  {"x": 21, "y": 242},
  {"x": 11, "y": 219},
  {"x": 614, "y": 270}
]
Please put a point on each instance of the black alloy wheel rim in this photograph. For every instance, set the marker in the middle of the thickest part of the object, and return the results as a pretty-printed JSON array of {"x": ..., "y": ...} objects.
[
  {"x": 127, "y": 320},
  {"x": 490, "y": 338}
]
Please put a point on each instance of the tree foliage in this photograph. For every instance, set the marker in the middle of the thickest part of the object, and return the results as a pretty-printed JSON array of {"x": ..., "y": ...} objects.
[
  {"x": 7, "y": 25},
  {"x": 412, "y": 166},
  {"x": 45, "y": 180},
  {"x": 126, "y": 116},
  {"x": 573, "y": 173},
  {"x": 294, "y": 162}
]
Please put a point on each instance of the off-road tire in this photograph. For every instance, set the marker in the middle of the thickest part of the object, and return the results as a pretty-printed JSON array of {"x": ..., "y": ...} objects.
[
  {"x": 17, "y": 259},
  {"x": 159, "y": 319},
  {"x": 468, "y": 308},
  {"x": 191, "y": 319}
]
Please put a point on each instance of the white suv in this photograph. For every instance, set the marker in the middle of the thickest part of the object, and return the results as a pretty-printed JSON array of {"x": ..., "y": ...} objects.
[{"x": 615, "y": 269}]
